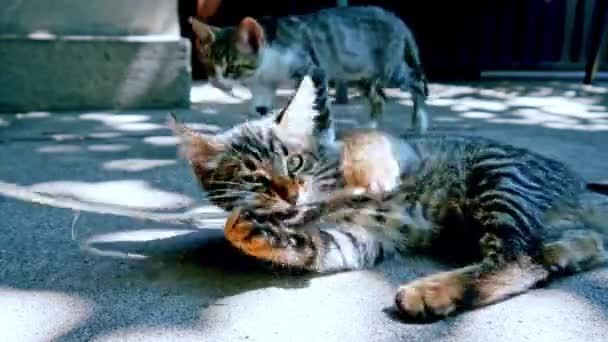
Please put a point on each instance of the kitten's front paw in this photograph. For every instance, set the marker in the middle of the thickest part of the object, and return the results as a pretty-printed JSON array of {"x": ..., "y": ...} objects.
[
  {"x": 269, "y": 241},
  {"x": 249, "y": 236},
  {"x": 431, "y": 297}
]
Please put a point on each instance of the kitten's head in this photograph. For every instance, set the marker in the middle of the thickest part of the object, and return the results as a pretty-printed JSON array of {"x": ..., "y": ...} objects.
[
  {"x": 231, "y": 52},
  {"x": 274, "y": 162}
]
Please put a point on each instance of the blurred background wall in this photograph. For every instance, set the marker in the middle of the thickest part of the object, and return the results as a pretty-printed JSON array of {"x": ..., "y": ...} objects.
[{"x": 459, "y": 40}]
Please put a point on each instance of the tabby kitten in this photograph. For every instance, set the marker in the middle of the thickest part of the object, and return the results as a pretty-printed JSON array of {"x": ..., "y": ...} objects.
[
  {"x": 365, "y": 45},
  {"x": 512, "y": 217}
]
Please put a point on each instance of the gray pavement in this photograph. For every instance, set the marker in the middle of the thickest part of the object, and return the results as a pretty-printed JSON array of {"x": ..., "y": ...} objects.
[{"x": 76, "y": 276}]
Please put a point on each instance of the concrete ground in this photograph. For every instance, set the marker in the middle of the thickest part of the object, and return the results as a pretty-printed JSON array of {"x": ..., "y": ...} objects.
[{"x": 75, "y": 276}]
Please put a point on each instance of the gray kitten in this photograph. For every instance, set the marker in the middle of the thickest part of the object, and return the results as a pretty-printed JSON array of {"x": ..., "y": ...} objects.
[{"x": 364, "y": 45}]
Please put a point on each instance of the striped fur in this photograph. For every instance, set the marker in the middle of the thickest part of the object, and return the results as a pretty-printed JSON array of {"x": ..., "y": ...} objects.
[
  {"x": 513, "y": 217},
  {"x": 469, "y": 199}
]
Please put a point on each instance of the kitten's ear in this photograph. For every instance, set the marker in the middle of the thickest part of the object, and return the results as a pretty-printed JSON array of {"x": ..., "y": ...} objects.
[
  {"x": 307, "y": 116},
  {"x": 249, "y": 36},
  {"x": 194, "y": 146},
  {"x": 204, "y": 32}
]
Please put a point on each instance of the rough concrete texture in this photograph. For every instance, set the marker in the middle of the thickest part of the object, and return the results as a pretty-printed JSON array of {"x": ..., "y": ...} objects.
[
  {"x": 93, "y": 17},
  {"x": 65, "y": 73},
  {"x": 137, "y": 281}
]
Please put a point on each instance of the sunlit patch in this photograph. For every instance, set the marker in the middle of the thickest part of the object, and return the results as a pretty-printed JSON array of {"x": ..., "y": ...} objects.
[
  {"x": 37, "y": 315},
  {"x": 129, "y": 193},
  {"x": 406, "y": 102},
  {"x": 594, "y": 89},
  {"x": 33, "y": 115},
  {"x": 65, "y": 137},
  {"x": 299, "y": 307},
  {"x": 162, "y": 140},
  {"x": 449, "y": 90},
  {"x": 139, "y": 126},
  {"x": 397, "y": 93},
  {"x": 4, "y": 123},
  {"x": 139, "y": 235},
  {"x": 203, "y": 127},
  {"x": 136, "y": 164},
  {"x": 469, "y": 103},
  {"x": 285, "y": 92},
  {"x": 207, "y": 93},
  {"x": 478, "y": 115},
  {"x": 112, "y": 119},
  {"x": 123, "y": 122},
  {"x": 101, "y": 244},
  {"x": 537, "y": 316},
  {"x": 59, "y": 149},
  {"x": 441, "y": 102},
  {"x": 108, "y": 147},
  {"x": 41, "y": 35}
]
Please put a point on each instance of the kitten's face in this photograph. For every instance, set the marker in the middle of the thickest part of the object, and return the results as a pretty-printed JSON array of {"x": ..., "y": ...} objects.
[
  {"x": 274, "y": 162},
  {"x": 228, "y": 53}
]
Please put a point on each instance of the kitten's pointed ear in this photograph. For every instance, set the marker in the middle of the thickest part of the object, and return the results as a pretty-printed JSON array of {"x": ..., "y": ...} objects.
[
  {"x": 307, "y": 115},
  {"x": 194, "y": 146},
  {"x": 204, "y": 32},
  {"x": 249, "y": 36}
]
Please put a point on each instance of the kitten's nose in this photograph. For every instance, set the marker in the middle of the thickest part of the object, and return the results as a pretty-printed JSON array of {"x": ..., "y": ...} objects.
[
  {"x": 261, "y": 110},
  {"x": 286, "y": 188}
]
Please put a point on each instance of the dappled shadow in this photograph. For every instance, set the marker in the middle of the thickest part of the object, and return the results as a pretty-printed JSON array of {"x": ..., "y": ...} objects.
[{"x": 138, "y": 280}]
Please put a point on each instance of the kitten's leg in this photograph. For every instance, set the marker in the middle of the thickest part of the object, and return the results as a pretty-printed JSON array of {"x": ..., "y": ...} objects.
[
  {"x": 414, "y": 81},
  {"x": 341, "y": 92},
  {"x": 375, "y": 94},
  {"x": 310, "y": 249},
  {"x": 489, "y": 281},
  {"x": 420, "y": 117},
  {"x": 575, "y": 251}
]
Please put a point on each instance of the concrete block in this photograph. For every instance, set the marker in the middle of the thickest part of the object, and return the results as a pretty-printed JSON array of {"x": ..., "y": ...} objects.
[
  {"x": 91, "y": 17},
  {"x": 85, "y": 72}
]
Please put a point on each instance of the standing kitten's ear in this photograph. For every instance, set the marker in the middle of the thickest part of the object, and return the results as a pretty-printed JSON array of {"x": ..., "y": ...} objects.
[
  {"x": 307, "y": 117},
  {"x": 249, "y": 36},
  {"x": 196, "y": 147},
  {"x": 204, "y": 32}
]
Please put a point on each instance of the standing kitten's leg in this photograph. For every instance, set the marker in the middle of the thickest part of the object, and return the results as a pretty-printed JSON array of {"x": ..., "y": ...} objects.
[
  {"x": 375, "y": 94},
  {"x": 486, "y": 282},
  {"x": 414, "y": 81},
  {"x": 311, "y": 249},
  {"x": 341, "y": 92},
  {"x": 420, "y": 117}
]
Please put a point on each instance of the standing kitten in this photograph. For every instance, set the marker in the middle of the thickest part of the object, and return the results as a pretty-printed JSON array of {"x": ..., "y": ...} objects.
[
  {"x": 366, "y": 45},
  {"x": 513, "y": 217}
]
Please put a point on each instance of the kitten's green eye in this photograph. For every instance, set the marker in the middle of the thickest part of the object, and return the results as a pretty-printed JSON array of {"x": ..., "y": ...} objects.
[{"x": 295, "y": 163}]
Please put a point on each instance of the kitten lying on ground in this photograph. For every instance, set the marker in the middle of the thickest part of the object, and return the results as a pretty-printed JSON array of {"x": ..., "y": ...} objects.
[
  {"x": 302, "y": 200},
  {"x": 365, "y": 45}
]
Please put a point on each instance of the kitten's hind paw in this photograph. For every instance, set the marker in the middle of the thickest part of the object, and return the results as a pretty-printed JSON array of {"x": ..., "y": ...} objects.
[{"x": 431, "y": 297}]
